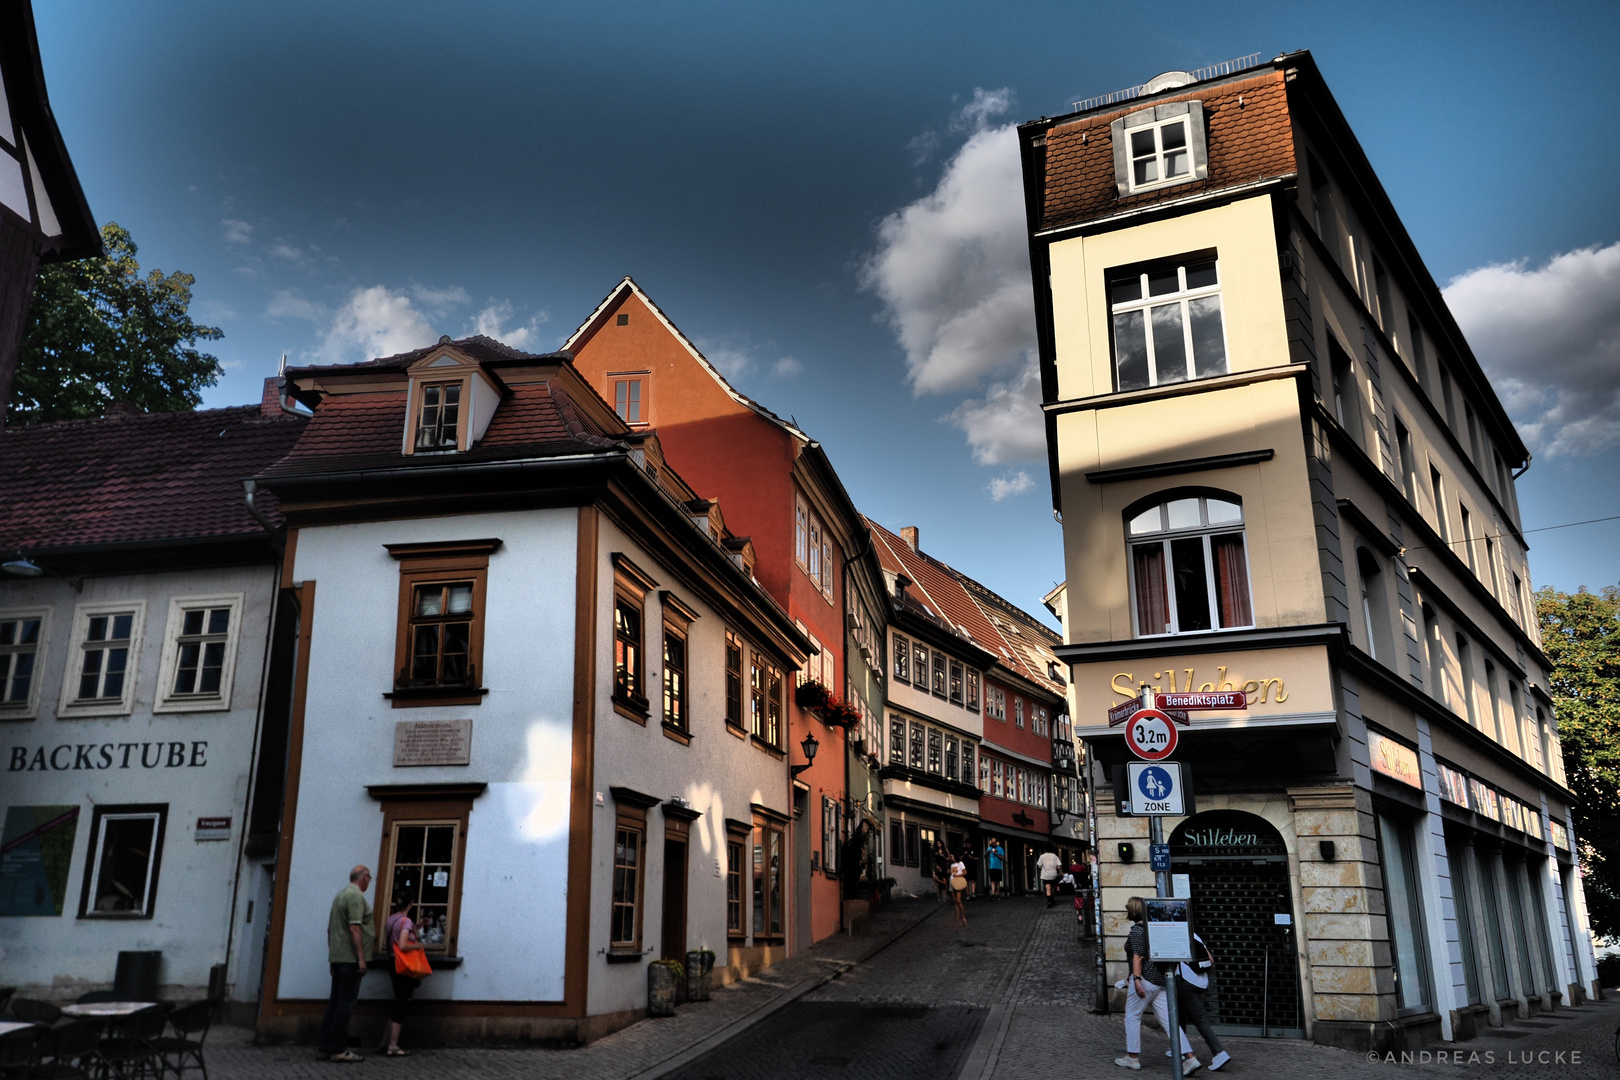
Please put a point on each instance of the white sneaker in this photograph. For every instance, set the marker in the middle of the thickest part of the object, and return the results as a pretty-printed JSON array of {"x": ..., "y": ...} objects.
[
  {"x": 1129, "y": 1063},
  {"x": 1190, "y": 1067},
  {"x": 1218, "y": 1060}
]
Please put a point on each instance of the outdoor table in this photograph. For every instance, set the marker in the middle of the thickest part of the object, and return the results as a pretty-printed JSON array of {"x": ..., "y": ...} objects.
[
  {"x": 105, "y": 1008},
  {"x": 8, "y": 1026}
]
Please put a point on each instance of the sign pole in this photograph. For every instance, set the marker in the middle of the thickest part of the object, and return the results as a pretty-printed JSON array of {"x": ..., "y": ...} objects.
[{"x": 1156, "y": 836}]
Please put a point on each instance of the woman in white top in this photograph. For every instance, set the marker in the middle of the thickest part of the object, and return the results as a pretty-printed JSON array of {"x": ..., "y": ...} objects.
[{"x": 958, "y": 880}]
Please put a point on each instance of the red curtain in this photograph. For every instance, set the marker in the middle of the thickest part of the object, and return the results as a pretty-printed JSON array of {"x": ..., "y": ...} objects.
[
  {"x": 1231, "y": 580},
  {"x": 1152, "y": 601}
]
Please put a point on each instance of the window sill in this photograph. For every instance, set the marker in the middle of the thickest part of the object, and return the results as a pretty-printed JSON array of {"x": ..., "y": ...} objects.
[
  {"x": 775, "y": 752},
  {"x": 680, "y": 735},
  {"x": 115, "y": 916},
  {"x": 631, "y": 708},
  {"x": 415, "y": 697},
  {"x": 212, "y": 703},
  {"x": 733, "y": 729},
  {"x": 92, "y": 710},
  {"x": 624, "y": 956}
]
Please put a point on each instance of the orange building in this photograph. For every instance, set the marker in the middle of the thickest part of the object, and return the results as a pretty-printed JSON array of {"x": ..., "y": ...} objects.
[{"x": 774, "y": 485}]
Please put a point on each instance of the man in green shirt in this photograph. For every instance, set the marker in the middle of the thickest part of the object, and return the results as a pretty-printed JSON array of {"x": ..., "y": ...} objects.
[{"x": 350, "y": 938}]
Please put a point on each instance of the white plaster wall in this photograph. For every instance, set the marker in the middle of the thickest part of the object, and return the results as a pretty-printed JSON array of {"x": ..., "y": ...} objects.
[
  {"x": 191, "y": 915},
  {"x": 718, "y": 774},
  {"x": 514, "y": 884}
]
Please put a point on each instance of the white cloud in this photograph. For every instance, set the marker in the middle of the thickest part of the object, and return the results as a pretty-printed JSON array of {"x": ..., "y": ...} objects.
[
  {"x": 730, "y": 359},
  {"x": 439, "y": 300},
  {"x": 952, "y": 271},
  {"x": 372, "y": 322},
  {"x": 787, "y": 368},
  {"x": 237, "y": 232},
  {"x": 1013, "y": 483},
  {"x": 1549, "y": 337},
  {"x": 283, "y": 250},
  {"x": 491, "y": 322},
  {"x": 292, "y": 304}
]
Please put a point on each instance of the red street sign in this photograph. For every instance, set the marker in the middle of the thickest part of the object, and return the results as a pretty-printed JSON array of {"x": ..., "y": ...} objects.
[
  {"x": 1219, "y": 699},
  {"x": 1150, "y": 734},
  {"x": 1122, "y": 712}
]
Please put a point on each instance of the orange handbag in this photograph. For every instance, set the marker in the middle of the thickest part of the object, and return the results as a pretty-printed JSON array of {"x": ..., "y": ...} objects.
[{"x": 413, "y": 963}]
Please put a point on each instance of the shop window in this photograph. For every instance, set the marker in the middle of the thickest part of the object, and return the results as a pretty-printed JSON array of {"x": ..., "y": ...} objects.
[
  {"x": 1404, "y": 904},
  {"x": 1167, "y": 324},
  {"x": 424, "y": 844},
  {"x": 440, "y": 639},
  {"x": 902, "y": 659},
  {"x": 1488, "y": 893},
  {"x": 22, "y": 633},
  {"x": 199, "y": 654},
  {"x": 126, "y": 849},
  {"x": 897, "y": 842},
  {"x": 1189, "y": 568},
  {"x": 770, "y": 850},
  {"x": 1461, "y": 889}
]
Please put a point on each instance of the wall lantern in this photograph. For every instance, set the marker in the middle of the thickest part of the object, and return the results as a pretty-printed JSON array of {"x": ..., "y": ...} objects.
[
  {"x": 1327, "y": 849},
  {"x": 1126, "y": 853},
  {"x": 809, "y": 746}
]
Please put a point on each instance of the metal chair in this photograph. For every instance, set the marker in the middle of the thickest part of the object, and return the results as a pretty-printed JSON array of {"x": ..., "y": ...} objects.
[
  {"x": 127, "y": 1053},
  {"x": 34, "y": 1011},
  {"x": 69, "y": 1052},
  {"x": 19, "y": 1052},
  {"x": 184, "y": 1049},
  {"x": 5, "y": 996}
]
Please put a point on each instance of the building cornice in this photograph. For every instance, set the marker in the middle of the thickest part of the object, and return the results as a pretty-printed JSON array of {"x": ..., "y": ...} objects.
[
  {"x": 1113, "y": 400},
  {"x": 1283, "y": 637}
]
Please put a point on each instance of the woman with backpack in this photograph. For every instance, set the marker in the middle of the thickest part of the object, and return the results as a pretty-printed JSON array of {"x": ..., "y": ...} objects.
[{"x": 1192, "y": 1000}]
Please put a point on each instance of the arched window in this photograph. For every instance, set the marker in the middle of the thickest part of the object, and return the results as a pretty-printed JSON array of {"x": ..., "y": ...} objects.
[{"x": 1189, "y": 570}]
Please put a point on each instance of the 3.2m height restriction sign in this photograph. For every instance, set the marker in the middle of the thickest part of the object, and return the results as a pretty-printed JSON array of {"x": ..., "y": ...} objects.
[{"x": 1150, "y": 734}]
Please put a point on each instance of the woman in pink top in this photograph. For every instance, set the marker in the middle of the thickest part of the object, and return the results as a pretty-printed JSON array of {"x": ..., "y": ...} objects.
[{"x": 398, "y": 930}]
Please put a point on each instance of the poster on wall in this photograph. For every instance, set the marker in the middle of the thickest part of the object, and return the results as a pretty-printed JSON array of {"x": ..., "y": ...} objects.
[{"x": 36, "y": 850}]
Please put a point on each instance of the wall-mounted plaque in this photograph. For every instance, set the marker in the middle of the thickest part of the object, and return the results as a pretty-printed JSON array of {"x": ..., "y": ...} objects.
[
  {"x": 432, "y": 742},
  {"x": 212, "y": 828}
]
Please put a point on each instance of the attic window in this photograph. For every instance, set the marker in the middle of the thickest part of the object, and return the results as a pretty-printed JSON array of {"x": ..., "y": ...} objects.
[
  {"x": 441, "y": 413},
  {"x": 623, "y": 319},
  {"x": 1159, "y": 146}
]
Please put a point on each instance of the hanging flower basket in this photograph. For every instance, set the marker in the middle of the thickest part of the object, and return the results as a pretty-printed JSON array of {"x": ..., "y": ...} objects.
[
  {"x": 812, "y": 695},
  {"x": 840, "y": 713}
]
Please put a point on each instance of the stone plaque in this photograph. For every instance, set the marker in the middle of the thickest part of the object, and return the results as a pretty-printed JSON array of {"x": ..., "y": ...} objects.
[{"x": 432, "y": 742}]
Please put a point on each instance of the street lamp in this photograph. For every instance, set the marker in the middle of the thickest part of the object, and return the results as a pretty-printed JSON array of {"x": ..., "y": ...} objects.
[
  {"x": 809, "y": 746},
  {"x": 22, "y": 566}
]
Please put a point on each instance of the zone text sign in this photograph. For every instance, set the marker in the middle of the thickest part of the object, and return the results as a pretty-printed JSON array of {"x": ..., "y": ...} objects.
[{"x": 1156, "y": 788}]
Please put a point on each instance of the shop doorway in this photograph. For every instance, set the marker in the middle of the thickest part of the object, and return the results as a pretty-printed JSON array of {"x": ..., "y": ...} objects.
[
  {"x": 1237, "y": 868},
  {"x": 673, "y": 939}
]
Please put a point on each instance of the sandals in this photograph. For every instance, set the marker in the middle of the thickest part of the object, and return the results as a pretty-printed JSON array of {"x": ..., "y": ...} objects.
[{"x": 394, "y": 1051}]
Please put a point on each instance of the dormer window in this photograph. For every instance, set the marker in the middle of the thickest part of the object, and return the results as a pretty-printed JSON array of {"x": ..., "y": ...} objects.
[
  {"x": 1159, "y": 153},
  {"x": 441, "y": 414},
  {"x": 1159, "y": 146}
]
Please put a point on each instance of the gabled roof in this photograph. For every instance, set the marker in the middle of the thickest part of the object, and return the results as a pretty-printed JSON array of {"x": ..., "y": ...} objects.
[
  {"x": 129, "y": 478},
  {"x": 1017, "y": 639},
  {"x": 594, "y": 321}
]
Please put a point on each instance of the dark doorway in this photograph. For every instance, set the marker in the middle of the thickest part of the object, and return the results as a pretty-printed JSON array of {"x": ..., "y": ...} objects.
[
  {"x": 1242, "y": 907},
  {"x": 674, "y": 937}
]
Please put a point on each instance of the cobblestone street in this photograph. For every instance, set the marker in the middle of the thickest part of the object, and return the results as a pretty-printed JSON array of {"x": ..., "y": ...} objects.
[{"x": 1007, "y": 997}]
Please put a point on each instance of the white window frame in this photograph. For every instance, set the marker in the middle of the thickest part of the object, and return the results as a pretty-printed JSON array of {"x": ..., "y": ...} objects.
[
  {"x": 165, "y": 700},
  {"x": 69, "y": 705},
  {"x": 1146, "y": 303},
  {"x": 158, "y": 817},
  {"x": 27, "y": 709},
  {"x": 1205, "y": 532},
  {"x": 1157, "y": 127}
]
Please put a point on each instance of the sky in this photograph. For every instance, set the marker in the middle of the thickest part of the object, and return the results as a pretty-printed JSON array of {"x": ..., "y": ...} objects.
[{"x": 825, "y": 197}]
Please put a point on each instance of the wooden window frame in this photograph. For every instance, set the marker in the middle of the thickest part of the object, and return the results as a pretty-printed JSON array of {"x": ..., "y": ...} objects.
[
  {"x": 644, "y": 401},
  {"x": 420, "y": 385},
  {"x": 631, "y": 585},
  {"x": 739, "y": 840},
  {"x": 154, "y": 865},
  {"x": 913, "y": 844},
  {"x": 416, "y": 811},
  {"x": 424, "y": 564},
  {"x": 954, "y": 683},
  {"x": 736, "y": 685},
  {"x": 902, "y": 659},
  {"x": 678, "y": 619},
  {"x": 630, "y": 814},
  {"x": 972, "y": 704},
  {"x": 897, "y": 740},
  {"x": 766, "y": 826}
]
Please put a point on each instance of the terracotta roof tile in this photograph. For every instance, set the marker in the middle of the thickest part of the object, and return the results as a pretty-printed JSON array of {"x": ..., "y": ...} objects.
[
  {"x": 164, "y": 476},
  {"x": 1247, "y": 142}
]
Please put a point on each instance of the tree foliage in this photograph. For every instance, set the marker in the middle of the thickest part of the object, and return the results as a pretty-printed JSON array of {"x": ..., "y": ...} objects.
[
  {"x": 99, "y": 332},
  {"x": 1581, "y": 634}
]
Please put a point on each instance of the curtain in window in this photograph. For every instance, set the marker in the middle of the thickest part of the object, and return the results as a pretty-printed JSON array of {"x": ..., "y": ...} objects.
[
  {"x": 1152, "y": 600},
  {"x": 1231, "y": 580}
]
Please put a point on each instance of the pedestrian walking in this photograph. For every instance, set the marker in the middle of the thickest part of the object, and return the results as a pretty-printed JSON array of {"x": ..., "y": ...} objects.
[
  {"x": 1192, "y": 1000},
  {"x": 942, "y": 862},
  {"x": 971, "y": 858},
  {"x": 350, "y": 938},
  {"x": 958, "y": 888},
  {"x": 995, "y": 858},
  {"x": 399, "y": 932},
  {"x": 1144, "y": 989},
  {"x": 1050, "y": 867}
]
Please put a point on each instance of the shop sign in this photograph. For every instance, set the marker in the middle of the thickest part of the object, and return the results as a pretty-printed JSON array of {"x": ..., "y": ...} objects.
[
  {"x": 74, "y": 757},
  {"x": 1395, "y": 760},
  {"x": 1560, "y": 835},
  {"x": 212, "y": 828},
  {"x": 1214, "y": 837},
  {"x": 1186, "y": 681}
]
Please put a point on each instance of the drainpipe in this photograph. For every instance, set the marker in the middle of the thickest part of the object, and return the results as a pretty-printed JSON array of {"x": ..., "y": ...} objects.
[{"x": 278, "y": 538}]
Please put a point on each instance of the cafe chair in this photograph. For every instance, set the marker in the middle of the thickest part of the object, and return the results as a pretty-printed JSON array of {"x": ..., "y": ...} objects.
[
  {"x": 69, "y": 1052},
  {"x": 35, "y": 1012},
  {"x": 127, "y": 1053},
  {"x": 184, "y": 1049},
  {"x": 19, "y": 1052}
]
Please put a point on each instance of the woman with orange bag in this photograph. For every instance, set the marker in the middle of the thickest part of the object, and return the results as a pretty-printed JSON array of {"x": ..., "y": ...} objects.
[{"x": 410, "y": 966}]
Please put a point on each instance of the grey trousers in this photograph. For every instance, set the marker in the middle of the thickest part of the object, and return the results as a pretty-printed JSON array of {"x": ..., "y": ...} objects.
[{"x": 1192, "y": 1009}]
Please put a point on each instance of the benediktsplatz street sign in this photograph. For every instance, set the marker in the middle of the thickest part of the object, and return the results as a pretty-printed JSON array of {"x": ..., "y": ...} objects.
[
  {"x": 1218, "y": 699},
  {"x": 1156, "y": 788},
  {"x": 1150, "y": 734},
  {"x": 1122, "y": 712}
]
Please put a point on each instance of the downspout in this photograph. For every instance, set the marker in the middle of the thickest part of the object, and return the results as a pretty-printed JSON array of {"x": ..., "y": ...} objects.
[{"x": 278, "y": 538}]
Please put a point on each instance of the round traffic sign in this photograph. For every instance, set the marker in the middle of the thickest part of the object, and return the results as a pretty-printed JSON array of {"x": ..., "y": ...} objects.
[{"x": 1150, "y": 734}]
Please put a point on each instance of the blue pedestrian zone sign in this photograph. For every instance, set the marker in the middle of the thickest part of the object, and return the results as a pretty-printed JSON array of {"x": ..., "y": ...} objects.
[{"x": 1156, "y": 788}]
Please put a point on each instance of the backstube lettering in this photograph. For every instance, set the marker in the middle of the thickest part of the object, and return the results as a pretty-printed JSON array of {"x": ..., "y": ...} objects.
[{"x": 71, "y": 757}]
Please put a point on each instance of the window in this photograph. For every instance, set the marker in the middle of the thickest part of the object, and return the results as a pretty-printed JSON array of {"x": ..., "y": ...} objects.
[
  {"x": 438, "y": 422},
  {"x": 1375, "y": 607},
  {"x": 765, "y": 712},
  {"x": 913, "y": 845},
  {"x": 955, "y": 684},
  {"x": 441, "y": 619},
  {"x": 1439, "y": 490},
  {"x": 199, "y": 655},
  {"x": 1196, "y": 578},
  {"x": 1435, "y": 648},
  {"x": 1516, "y": 600},
  {"x": 939, "y": 674},
  {"x": 423, "y": 865},
  {"x": 1346, "y": 395},
  {"x": 1167, "y": 325},
  {"x": 100, "y": 678},
  {"x": 1496, "y": 703},
  {"x": 1040, "y": 720},
  {"x": 916, "y": 759},
  {"x": 21, "y": 633},
  {"x": 984, "y": 774},
  {"x": 919, "y": 667},
  {"x": 995, "y": 703},
  {"x": 1159, "y": 146},
  {"x": 967, "y": 773},
  {"x": 813, "y": 564},
  {"x": 973, "y": 690},
  {"x": 1494, "y": 580},
  {"x": 769, "y": 851},
  {"x": 1420, "y": 364},
  {"x": 1473, "y": 433},
  {"x": 1386, "y": 308},
  {"x": 1543, "y": 746},
  {"x": 902, "y": 659},
  {"x": 126, "y": 849},
  {"x": 627, "y": 665},
  {"x": 826, "y": 566},
  {"x": 675, "y": 678},
  {"x": 1405, "y": 907},
  {"x": 1445, "y": 396},
  {"x": 1465, "y": 678},
  {"x": 801, "y": 534},
  {"x": 933, "y": 751},
  {"x": 897, "y": 741},
  {"x": 830, "y": 814},
  {"x": 736, "y": 859},
  {"x": 627, "y": 400},
  {"x": 951, "y": 758},
  {"x": 625, "y": 924},
  {"x": 1467, "y": 539},
  {"x": 997, "y": 788},
  {"x": 734, "y": 660},
  {"x": 1403, "y": 445},
  {"x": 1322, "y": 203},
  {"x": 1521, "y": 722},
  {"x": 1018, "y": 712}
]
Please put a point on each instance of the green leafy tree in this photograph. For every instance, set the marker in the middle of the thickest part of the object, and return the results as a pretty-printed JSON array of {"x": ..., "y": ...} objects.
[
  {"x": 1581, "y": 634},
  {"x": 99, "y": 332}
]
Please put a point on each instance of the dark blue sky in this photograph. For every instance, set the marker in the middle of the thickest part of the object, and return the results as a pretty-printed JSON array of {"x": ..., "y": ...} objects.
[{"x": 344, "y": 175}]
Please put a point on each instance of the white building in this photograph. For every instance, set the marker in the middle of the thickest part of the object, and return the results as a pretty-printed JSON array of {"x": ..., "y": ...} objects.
[
  {"x": 135, "y": 641},
  {"x": 538, "y": 691}
]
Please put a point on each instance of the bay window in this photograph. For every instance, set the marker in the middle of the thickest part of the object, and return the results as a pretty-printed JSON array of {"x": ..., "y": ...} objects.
[{"x": 1189, "y": 568}]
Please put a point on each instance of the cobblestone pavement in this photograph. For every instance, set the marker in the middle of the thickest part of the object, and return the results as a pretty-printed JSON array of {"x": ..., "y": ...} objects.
[{"x": 635, "y": 1050}]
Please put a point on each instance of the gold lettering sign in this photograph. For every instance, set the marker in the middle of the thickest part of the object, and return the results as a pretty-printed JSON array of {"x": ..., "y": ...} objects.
[
  {"x": 1395, "y": 760},
  {"x": 1258, "y": 691}
]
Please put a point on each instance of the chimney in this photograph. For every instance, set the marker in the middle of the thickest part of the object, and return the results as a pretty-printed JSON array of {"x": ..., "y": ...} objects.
[
  {"x": 270, "y": 402},
  {"x": 909, "y": 535}
]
